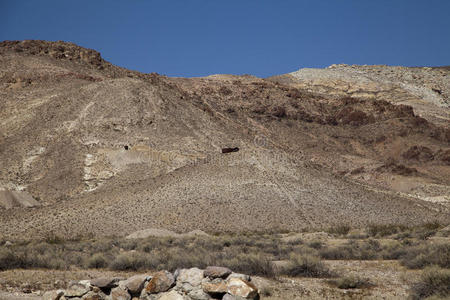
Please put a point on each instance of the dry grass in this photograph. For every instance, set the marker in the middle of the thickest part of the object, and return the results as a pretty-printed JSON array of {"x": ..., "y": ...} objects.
[
  {"x": 306, "y": 266},
  {"x": 351, "y": 282},
  {"x": 251, "y": 253}
]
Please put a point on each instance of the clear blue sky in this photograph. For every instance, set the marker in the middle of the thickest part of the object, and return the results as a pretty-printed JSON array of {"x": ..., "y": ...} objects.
[{"x": 263, "y": 38}]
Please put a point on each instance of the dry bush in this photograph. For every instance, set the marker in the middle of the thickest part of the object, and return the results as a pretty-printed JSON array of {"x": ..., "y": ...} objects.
[
  {"x": 255, "y": 264},
  {"x": 130, "y": 261},
  {"x": 418, "y": 257},
  {"x": 306, "y": 266},
  {"x": 97, "y": 261},
  {"x": 434, "y": 282},
  {"x": 8, "y": 260},
  {"x": 380, "y": 230},
  {"x": 341, "y": 229},
  {"x": 351, "y": 282},
  {"x": 363, "y": 250}
]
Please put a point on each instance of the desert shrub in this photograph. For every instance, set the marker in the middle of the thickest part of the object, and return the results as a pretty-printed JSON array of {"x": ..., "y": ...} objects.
[
  {"x": 393, "y": 251},
  {"x": 341, "y": 229},
  {"x": 295, "y": 241},
  {"x": 266, "y": 291},
  {"x": 130, "y": 261},
  {"x": 432, "y": 225},
  {"x": 364, "y": 250},
  {"x": 128, "y": 244},
  {"x": 420, "y": 256},
  {"x": 434, "y": 282},
  {"x": 254, "y": 264},
  {"x": 8, "y": 260},
  {"x": 97, "y": 261},
  {"x": 351, "y": 282},
  {"x": 180, "y": 258},
  {"x": 380, "y": 230},
  {"x": 316, "y": 244},
  {"x": 53, "y": 238},
  {"x": 307, "y": 266}
]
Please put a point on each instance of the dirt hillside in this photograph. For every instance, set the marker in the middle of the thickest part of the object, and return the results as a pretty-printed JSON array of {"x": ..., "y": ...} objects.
[{"x": 108, "y": 151}]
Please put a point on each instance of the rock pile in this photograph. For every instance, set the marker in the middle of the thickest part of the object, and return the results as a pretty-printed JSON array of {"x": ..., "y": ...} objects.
[{"x": 183, "y": 284}]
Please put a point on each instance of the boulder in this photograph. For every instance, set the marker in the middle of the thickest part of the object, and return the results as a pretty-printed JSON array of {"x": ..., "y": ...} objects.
[
  {"x": 94, "y": 295},
  {"x": 160, "y": 282},
  {"x": 240, "y": 276},
  {"x": 216, "y": 286},
  {"x": 198, "y": 294},
  {"x": 189, "y": 279},
  {"x": 241, "y": 288},
  {"x": 119, "y": 293},
  {"x": 216, "y": 272},
  {"x": 53, "y": 295},
  {"x": 77, "y": 289},
  {"x": 135, "y": 284},
  {"x": 172, "y": 295},
  {"x": 105, "y": 282}
]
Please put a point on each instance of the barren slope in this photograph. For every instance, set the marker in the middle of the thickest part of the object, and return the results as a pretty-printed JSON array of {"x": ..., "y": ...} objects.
[{"x": 109, "y": 151}]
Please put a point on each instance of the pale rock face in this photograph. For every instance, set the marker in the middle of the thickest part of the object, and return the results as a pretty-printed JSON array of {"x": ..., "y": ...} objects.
[
  {"x": 135, "y": 284},
  {"x": 189, "y": 279},
  {"x": 119, "y": 293},
  {"x": 241, "y": 288},
  {"x": 240, "y": 276},
  {"x": 173, "y": 295},
  {"x": 198, "y": 294}
]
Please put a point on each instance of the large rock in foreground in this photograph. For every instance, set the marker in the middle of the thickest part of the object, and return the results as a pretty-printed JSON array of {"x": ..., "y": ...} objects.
[{"x": 184, "y": 284}]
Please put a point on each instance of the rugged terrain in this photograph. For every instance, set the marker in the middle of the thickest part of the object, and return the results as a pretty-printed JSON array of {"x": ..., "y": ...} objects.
[{"x": 88, "y": 148}]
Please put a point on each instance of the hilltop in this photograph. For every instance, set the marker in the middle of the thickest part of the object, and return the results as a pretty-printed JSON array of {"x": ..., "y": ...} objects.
[{"x": 107, "y": 151}]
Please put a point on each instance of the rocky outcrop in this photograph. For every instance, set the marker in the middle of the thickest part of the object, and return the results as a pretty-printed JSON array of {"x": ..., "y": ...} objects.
[
  {"x": 10, "y": 199},
  {"x": 184, "y": 284}
]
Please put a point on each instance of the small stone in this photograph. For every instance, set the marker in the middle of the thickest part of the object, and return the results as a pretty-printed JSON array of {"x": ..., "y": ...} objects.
[
  {"x": 119, "y": 293},
  {"x": 160, "y": 282},
  {"x": 216, "y": 272},
  {"x": 242, "y": 288},
  {"x": 240, "y": 276},
  {"x": 105, "y": 282},
  {"x": 53, "y": 295},
  {"x": 8, "y": 243}
]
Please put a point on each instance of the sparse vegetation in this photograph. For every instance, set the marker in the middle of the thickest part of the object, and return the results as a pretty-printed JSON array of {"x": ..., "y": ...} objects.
[
  {"x": 351, "y": 282},
  {"x": 434, "y": 282},
  {"x": 341, "y": 229},
  {"x": 251, "y": 253},
  {"x": 307, "y": 266},
  {"x": 420, "y": 256}
]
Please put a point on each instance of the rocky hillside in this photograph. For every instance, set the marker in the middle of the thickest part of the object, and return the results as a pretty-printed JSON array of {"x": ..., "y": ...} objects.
[{"x": 102, "y": 150}]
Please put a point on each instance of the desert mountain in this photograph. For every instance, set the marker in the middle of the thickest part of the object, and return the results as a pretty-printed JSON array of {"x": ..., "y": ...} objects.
[{"x": 107, "y": 151}]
